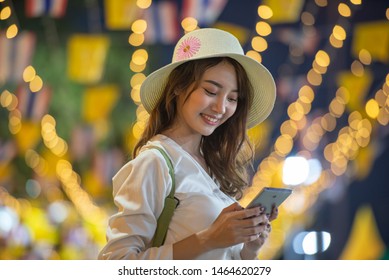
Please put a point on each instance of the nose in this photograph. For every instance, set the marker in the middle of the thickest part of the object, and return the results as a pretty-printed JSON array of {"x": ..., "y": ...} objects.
[{"x": 219, "y": 105}]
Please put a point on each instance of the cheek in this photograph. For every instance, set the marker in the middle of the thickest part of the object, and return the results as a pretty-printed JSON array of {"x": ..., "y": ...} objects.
[{"x": 231, "y": 110}]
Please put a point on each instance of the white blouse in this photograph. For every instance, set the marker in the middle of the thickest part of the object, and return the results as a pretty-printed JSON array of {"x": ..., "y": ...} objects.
[{"x": 139, "y": 190}]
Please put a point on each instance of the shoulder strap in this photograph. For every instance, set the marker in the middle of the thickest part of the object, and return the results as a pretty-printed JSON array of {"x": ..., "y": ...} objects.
[{"x": 169, "y": 206}]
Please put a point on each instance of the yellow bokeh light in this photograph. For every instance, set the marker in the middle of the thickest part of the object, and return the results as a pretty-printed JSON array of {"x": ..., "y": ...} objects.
[
  {"x": 265, "y": 12},
  {"x": 307, "y": 18},
  {"x": 189, "y": 24},
  {"x": 5, "y": 13},
  {"x": 344, "y": 10},
  {"x": 356, "y": 2},
  {"x": 322, "y": 58},
  {"x": 283, "y": 145},
  {"x": 387, "y": 13},
  {"x": 372, "y": 108},
  {"x": 36, "y": 84},
  {"x": 321, "y": 3},
  {"x": 140, "y": 57},
  {"x": 143, "y": 4},
  {"x": 137, "y": 68},
  {"x": 259, "y": 44},
  {"x": 365, "y": 57},
  {"x": 306, "y": 94},
  {"x": 254, "y": 55},
  {"x": 137, "y": 79},
  {"x": 339, "y": 33},
  {"x": 139, "y": 26},
  {"x": 12, "y": 31},
  {"x": 136, "y": 39},
  {"x": 263, "y": 28},
  {"x": 135, "y": 95},
  {"x": 29, "y": 74},
  {"x": 314, "y": 78},
  {"x": 357, "y": 68},
  {"x": 335, "y": 42}
]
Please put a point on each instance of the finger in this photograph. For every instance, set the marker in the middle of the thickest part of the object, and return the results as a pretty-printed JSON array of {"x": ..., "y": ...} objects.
[
  {"x": 254, "y": 221},
  {"x": 274, "y": 213},
  {"x": 233, "y": 207}
]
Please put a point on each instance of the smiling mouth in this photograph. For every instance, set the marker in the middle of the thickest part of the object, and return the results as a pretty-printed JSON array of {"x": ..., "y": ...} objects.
[{"x": 210, "y": 120}]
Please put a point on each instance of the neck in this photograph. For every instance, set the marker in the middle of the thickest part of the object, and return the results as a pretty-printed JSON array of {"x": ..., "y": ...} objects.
[{"x": 190, "y": 143}]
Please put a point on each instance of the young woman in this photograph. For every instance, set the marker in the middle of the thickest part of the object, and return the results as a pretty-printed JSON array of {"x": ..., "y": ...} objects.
[{"x": 200, "y": 107}]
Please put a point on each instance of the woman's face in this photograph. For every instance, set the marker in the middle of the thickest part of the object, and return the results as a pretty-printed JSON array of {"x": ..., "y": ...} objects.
[{"x": 210, "y": 104}]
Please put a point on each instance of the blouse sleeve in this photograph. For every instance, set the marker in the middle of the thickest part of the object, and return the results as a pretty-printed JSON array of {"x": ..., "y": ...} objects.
[{"x": 139, "y": 191}]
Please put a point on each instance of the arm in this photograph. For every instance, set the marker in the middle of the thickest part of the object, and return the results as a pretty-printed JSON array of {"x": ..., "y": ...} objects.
[{"x": 139, "y": 189}]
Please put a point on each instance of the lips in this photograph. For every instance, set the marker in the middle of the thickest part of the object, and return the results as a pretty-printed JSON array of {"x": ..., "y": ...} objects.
[{"x": 210, "y": 119}]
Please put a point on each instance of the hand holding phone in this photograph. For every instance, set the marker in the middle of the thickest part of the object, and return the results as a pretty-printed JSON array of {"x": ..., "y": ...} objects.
[{"x": 268, "y": 197}]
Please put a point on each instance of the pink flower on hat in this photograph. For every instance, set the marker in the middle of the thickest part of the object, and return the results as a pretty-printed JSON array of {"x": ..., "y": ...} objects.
[{"x": 188, "y": 48}]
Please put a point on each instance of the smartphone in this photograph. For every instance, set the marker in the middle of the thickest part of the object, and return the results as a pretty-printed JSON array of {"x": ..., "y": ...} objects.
[{"x": 268, "y": 197}]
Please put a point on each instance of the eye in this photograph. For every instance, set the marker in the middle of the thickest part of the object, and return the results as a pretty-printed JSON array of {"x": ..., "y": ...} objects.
[
  {"x": 208, "y": 92},
  {"x": 233, "y": 99}
]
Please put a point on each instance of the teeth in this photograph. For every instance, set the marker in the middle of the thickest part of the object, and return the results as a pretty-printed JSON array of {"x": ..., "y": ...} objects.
[{"x": 210, "y": 119}]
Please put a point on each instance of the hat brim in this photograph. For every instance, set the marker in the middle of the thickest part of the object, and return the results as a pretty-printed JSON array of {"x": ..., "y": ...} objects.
[{"x": 264, "y": 89}]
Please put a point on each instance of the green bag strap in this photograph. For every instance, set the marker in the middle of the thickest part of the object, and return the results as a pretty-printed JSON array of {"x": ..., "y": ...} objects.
[{"x": 169, "y": 206}]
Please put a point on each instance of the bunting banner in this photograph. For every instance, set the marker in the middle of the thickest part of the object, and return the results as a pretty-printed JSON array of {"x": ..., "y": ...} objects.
[
  {"x": 86, "y": 57},
  {"x": 284, "y": 11},
  {"x": 28, "y": 136},
  {"x": 99, "y": 101},
  {"x": 162, "y": 23},
  {"x": 83, "y": 140},
  {"x": 373, "y": 37},
  {"x": 52, "y": 8},
  {"x": 33, "y": 105},
  {"x": 15, "y": 55},
  {"x": 120, "y": 14},
  {"x": 205, "y": 12},
  {"x": 358, "y": 87},
  {"x": 365, "y": 242},
  {"x": 307, "y": 41}
]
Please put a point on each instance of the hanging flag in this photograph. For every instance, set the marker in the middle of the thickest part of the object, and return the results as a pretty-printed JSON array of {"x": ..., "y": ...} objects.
[
  {"x": 15, "y": 55},
  {"x": 365, "y": 242},
  {"x": 205, "y": 12},
  {"x": 284, "y": 11},
  {"x": 240, "y": 32},
  {"x": 86, "y": 57},
  {"x": 99, "y": 101},
  {"x": 33, "y": 105},
  {"x": 162, "y": 23},
  {"x": 7, "y": 151},
  {"x": 28, "y": 136},
  {"x": 358, "y": 87},
  {"x": 120, "y": 14},
  {"x": 52, "y": 8},
  {"x": 373, "y": 37},
  {"x": 83, "y": 140}
]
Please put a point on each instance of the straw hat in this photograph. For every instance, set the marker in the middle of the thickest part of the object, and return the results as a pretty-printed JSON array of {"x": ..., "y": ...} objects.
[{"x": 206, "y": 43}]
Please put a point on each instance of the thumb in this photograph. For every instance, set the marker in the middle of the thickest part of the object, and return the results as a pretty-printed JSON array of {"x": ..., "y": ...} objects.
[{"x": 233, "y": 207}]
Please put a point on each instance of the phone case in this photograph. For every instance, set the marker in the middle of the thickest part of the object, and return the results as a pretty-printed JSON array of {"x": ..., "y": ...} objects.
[{"x": 270, "y": 196}]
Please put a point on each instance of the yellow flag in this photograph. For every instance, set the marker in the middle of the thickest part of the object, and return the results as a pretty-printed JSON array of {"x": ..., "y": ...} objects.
[
  {"x": 284, "y": 11},
  {"x": 240, "y": 32},
  {"x": 357, "y": 87},
  {"x": 120, "y": 14},
  {"x": 86, "y": 57},
  {"x": 365, "y": 242},
  {"x": 373, "y": 37},
  {"x": 99, "y": 101},
  {"x": 28, "y": 136}
]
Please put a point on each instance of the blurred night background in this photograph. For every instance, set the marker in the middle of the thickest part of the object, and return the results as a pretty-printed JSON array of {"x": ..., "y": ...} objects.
[{"x": 70, "y": 73}]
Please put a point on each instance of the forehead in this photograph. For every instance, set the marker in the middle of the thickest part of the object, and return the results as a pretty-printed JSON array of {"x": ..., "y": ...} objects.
[{"x": 223, "y": 73}]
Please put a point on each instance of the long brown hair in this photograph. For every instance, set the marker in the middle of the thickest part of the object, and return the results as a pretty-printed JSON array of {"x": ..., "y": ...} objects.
[{"x": 227, "y": 157}]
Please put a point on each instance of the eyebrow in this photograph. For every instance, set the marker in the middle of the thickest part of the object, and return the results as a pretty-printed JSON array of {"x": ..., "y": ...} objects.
[{"x": 217, "y": 84}]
